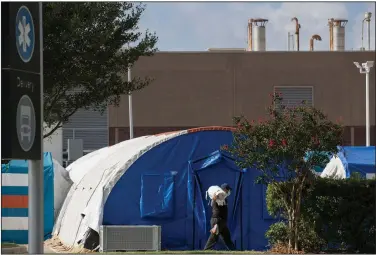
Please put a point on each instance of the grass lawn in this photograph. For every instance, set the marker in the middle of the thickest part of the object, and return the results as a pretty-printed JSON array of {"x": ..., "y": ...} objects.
[
  {"x": 9, "y": 245},
  {"x": 193, "y": 252}
]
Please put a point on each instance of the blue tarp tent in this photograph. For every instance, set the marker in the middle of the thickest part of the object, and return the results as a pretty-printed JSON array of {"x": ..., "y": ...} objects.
[
  {"x": 162, "y": 180},
  {"x": 14, "y": 192},
  {"x": 352, "y": 159}
]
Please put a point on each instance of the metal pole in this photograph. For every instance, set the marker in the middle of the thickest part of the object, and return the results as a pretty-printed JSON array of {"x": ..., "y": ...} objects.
[
  {"x": 36, "y": 190},
  {"x": 293, "y": 42},
  {"x": 369, "y": 34},
  {"x": 362, "y": 33},
  {"x": 130, "y": 107},
  {"x": 367, "y": 110},
  {"x": 288, "y": 41}
]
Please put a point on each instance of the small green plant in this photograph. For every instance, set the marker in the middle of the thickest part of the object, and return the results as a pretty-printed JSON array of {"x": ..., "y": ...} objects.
[{"x": 277, "y": 234}]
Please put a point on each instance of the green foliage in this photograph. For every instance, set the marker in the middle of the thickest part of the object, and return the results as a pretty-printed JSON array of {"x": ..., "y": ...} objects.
[
  {"x": 342, "y": 210},
  {"x": 335, "y": 214},
  {"x": 284, "y": 139},
  {"x": 309, "y": 241},
  {"x": 86, "y": 55},
  {"x": 277, "y": 234},
  {"x": 288, "y": 143},
  {"x": 356, "y": 176}
]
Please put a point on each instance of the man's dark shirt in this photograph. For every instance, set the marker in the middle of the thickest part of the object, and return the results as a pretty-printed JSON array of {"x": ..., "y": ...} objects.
[{"x": 219, "y": 211}]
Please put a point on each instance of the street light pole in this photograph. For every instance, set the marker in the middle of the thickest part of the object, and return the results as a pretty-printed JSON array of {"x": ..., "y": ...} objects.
[
  {"x": 366, "y": 68},
  {"x": 368, "y": 131},
  {"x": 130, "y": 106},
  {"x": 367, "y": 17}
]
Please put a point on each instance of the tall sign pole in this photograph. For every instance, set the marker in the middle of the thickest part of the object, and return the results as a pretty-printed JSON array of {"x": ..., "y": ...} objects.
[{"x": 21, "y": 104}]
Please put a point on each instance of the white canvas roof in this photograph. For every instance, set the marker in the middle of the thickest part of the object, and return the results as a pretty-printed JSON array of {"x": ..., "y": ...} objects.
[{"x": 94, "y": 175}]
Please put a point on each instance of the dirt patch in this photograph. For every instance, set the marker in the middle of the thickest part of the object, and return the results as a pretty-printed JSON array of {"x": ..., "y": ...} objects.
[
  {"x": 56, "y": 245},
  {"x": 283, "y": 249}
]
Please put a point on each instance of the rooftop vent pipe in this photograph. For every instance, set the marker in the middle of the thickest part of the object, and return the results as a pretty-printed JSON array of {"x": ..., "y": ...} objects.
[
  {"x": 330, "y": 24},
  {"x": 297, "y": 29},
  {"x": 256, "y": 34},
  {"x": 337, "y": 34},
  {"x": 314, "y": 37}
]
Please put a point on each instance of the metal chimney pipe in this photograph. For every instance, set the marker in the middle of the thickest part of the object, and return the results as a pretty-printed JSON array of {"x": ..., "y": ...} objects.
[
  {"x": 250, "y": 35},
  {"x": 297, "y": 29},
  {"x": 338, "y": 29},
  {"x": 330, "y": 24},
  {"x": 362, "y": 48},
  {"x": 314, "y": 37},
  {"x": 257, "y": 34}
]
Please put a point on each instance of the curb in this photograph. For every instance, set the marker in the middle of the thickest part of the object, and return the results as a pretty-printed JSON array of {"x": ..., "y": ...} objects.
[{"x": 14, "y": 250}]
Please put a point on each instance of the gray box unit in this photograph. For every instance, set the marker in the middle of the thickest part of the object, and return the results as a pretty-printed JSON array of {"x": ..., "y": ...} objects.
[
  {"x": 75, "y": 149},
  {"x": 129, "y": 238}
]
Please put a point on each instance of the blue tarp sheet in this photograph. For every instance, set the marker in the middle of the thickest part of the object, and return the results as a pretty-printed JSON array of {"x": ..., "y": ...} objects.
[
  {"x": 354, "y": 159},
  {"x": 359, "y": 159},
  {"x": 166, "y": 186},
  {"x": 21, "y": 167}
]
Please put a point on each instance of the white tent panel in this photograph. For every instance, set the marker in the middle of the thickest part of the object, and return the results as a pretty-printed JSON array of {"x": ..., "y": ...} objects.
[
  {"x": 334, "y": 169},
  {"x": 62, "y": 184},
  {"x": 94, "y": 175}
]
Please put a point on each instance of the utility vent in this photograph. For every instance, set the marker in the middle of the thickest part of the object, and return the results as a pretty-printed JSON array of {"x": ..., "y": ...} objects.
[
  {"x": 294, "y": 96},
  {"x": 130, "y": 238}
]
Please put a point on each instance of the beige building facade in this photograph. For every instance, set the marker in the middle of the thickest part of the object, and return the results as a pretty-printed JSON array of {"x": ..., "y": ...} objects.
[{"x": 193, "y": 89}]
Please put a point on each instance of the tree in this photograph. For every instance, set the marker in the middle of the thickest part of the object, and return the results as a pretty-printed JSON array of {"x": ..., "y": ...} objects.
[
  {"x": 288, "y": 144},
  {"x": 86, "y": 56}
]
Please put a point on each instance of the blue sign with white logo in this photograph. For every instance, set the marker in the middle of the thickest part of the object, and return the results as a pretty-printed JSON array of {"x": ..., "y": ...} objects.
[{"x": 25, "y": 34}]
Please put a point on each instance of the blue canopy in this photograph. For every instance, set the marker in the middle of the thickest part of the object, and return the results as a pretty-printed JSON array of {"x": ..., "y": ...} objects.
[
  {"x": 359, "y": 159},
  {"x": 174, "y": 178}
]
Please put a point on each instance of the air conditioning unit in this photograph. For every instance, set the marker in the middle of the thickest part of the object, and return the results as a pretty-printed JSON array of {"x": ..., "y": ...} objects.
[{"x": 129, "y": 238}]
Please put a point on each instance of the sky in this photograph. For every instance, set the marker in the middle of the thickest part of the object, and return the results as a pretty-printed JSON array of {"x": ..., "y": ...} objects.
[{"x": 197, "y": 26}]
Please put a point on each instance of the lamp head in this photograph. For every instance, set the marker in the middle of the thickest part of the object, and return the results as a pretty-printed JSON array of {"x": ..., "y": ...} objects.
[
  {"x": 369, "y": 64},
  {"x": 368, "y": 15},
  {"x": 357, "y": 65}
]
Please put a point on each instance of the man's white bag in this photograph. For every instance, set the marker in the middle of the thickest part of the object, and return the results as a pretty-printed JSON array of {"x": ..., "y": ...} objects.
[{"x": 216, "y": 191}]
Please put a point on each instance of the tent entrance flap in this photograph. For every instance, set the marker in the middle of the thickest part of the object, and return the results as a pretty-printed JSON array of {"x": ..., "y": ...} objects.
[{"x": 215, "y": 169}]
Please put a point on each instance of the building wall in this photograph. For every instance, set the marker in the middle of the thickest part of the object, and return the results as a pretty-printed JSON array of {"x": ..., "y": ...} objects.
[
  {"x": 54, "y": 144},
  {"x": 90, "y": 126},
  {"x": 193, "y": 89}
]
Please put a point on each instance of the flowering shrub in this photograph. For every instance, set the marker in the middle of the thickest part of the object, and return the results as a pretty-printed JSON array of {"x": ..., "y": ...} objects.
[{"x": 287, "y": 144}]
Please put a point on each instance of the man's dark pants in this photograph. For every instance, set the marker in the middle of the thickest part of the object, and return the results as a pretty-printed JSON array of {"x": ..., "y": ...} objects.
[{"x": 224, "y": 232}]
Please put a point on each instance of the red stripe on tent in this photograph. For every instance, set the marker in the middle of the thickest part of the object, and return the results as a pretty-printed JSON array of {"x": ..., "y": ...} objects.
[
  {"x": 211, "y": 128},
  {"x": 167, "y": 133},
  {"x": 193, "y": 130},
  {"x": 14, "y": 201}
]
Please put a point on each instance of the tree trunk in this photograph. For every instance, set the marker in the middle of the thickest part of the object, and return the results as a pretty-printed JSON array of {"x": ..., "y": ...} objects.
[
  {"x": 297, "y": 206},
  {"x": 296, "y": 233},
  {"x": 290, "y": 232}
]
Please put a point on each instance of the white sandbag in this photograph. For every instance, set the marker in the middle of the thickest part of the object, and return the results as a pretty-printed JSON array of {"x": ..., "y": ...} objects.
[{"x": 218, "y": 192}]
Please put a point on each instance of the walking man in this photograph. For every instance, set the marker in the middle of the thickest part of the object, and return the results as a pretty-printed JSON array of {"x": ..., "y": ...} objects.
[{"x": 219, "y": 218}]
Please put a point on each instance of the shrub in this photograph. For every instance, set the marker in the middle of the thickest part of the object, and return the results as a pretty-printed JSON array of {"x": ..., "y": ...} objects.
[
  {"x": 309, "y": 241},
  {"x": 277, "y": 234},
  {"x": 277, "y": 147},
  {"x": 336, "y": 214}
]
